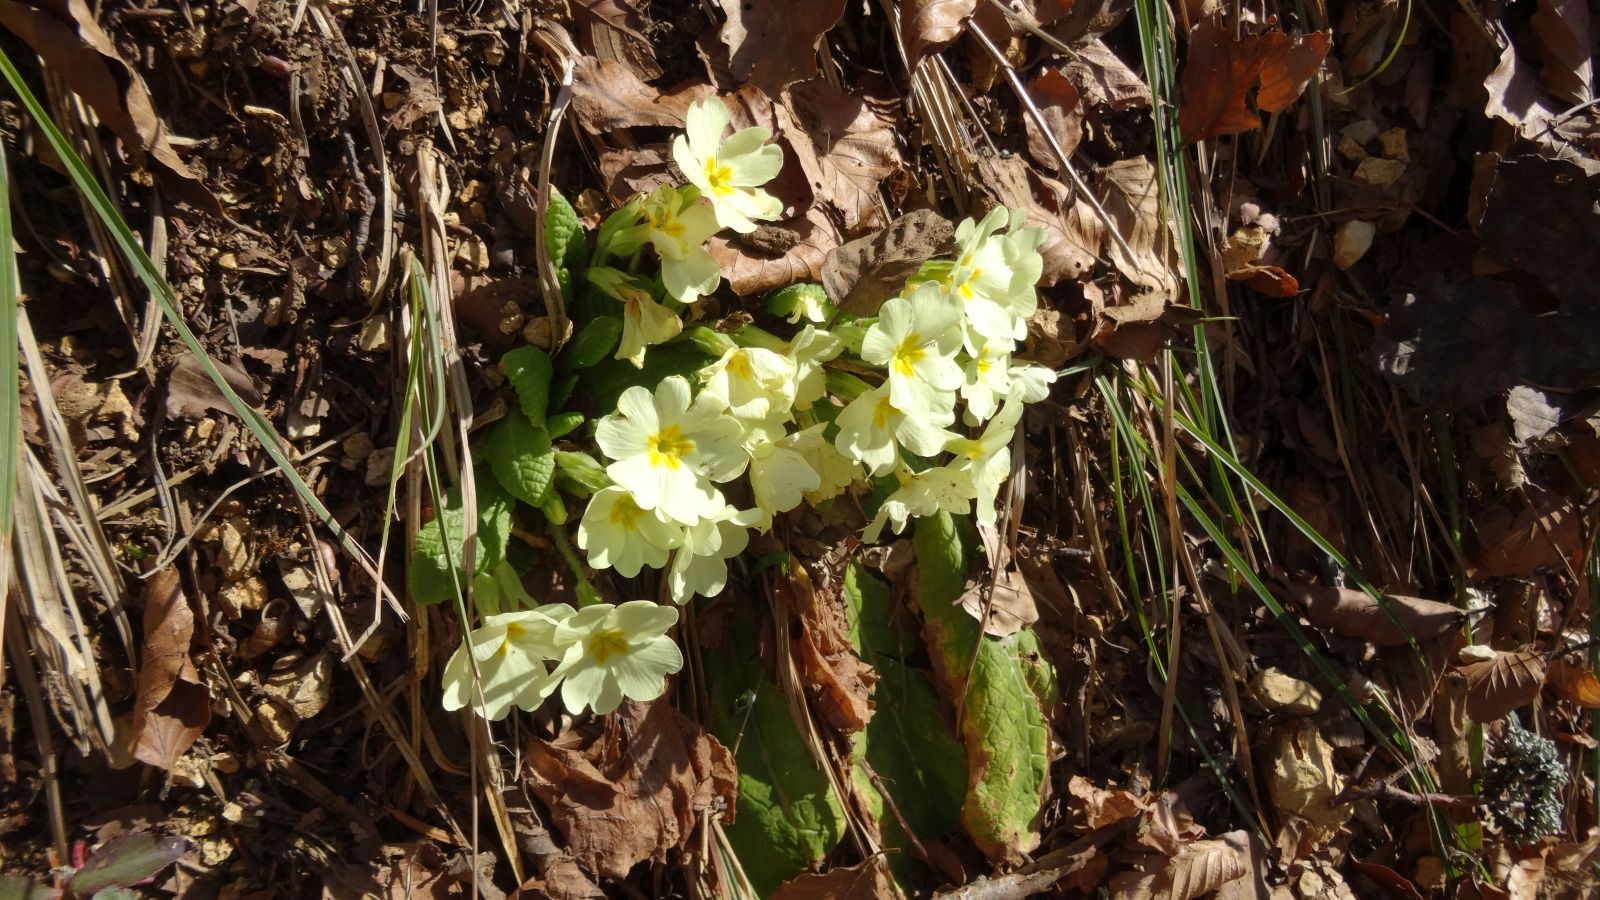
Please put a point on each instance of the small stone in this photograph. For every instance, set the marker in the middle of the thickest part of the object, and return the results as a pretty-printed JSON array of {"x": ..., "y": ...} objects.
[
  {"x": 1351, "y": 150},
  {"x": 473, "y": 253},
  {"x": 1361, "y": 131},
  {"x": 1394, "y": 145},
  {"x": 249, "y": 594},
  {"x": 1279, "y": 692},
  {"x": 301, "y": 584},
  {"x": 357, "y": 446},
  {"x": 538, "y": 333},
  {"x": 511, "y": 318},
  {"x": 277, "y": 722},
  {"x": 1352, "y": 241},
  {"x": 378, "y": 465},
  {"x": 374, "y": 334},
  {"x": 299, "y": 426},
  {"x": 232, "y": 812},
  {"x": 214, "y": 853},
  {"x": 235, "y": 557},
  {"x": 1380, "y": 172}
]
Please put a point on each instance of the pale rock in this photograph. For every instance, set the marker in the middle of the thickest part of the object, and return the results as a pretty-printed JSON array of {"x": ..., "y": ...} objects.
[
  {"x": 1380, "y": 172},
  {"x": 1352, "y": 241},
  {"x": 1393, "y": 142},
  {"x": 1361, "y": 131},
  {"x": 249, "y": 594},
  {"x": 1280, "y": 692},
  {"x": 374, "y": 334},
  {"x": 378, "y": 464},
  {"x": 301, "y": 583},
  {"x": 473, "y": 253},
  {"x": 357, "y": 446}
]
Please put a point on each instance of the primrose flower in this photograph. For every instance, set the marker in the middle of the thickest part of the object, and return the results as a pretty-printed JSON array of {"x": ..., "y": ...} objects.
[
  {"x": 835, "y": 471},
  {"x": 986, "y": 460},
  {"x": 1031, "y": 382},
  {"x": 667, "y": 451},
  {"x": 615, "y": 652},
  {"x": 620, "y": 535},
  {"x": 921, "y": 494},
  {"x": 645, "y": 322},
  {"x": 700, "y": 565},
  {"x": 994, "y": 275},
  {"x": 986, "y": 379},
  {"x": 729, "y": 173},
  {"x": 808, "y": 351},
  {"x": 780, "y": 474},
  {"x": 871, "y": 426},
  {"x": 510, "y": 650},
  {"x": 677, "y": 227},
  {"x": 916, "y": 339},
  {"x": 753, "y": 382}
]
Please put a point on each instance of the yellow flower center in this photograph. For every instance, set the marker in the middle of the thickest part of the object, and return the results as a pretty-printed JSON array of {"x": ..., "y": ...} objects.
[
  {"x": 668, "y": 447},
  {"x": 719, "y": 177},
  {"x": 908, "y": 354},
  {"x": 739, "y": 365},
  {"x": 965, "y": 290},
  {"x": 663, "y": 220},
  {"x": 624, "y": 513},
  {"x": 602, "y": 645},
  {"x": 984, "y": 366},
  {"x": 882, "y": 411},
  {"x": 514, "y": 631}
]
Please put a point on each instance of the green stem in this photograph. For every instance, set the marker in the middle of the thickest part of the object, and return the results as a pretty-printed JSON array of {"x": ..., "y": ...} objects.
[{"x": 587, "y": 594}]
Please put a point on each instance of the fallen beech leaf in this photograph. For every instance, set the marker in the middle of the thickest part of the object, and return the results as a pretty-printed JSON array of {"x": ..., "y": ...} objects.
[
  {"x": 1071, "y": 234},
  {"x": 839, "y": 683},
  {"x": 1131, "y": 195},
  {"x": 749, "y": 271},
  {"x": 928, "y": 26},
  {"x": 1574, "y": 683},
  {"x": 860, "y": 274},
  {"x": 609, "y": 95},
  {"x": 630, "y": 787},
  {"x": 1269, "y": 280},
  {"x": 861, "y": 881},
  {"x": 171, "y": 706},
  {"x": 1219, "y": 73},
  {"x": 1353, "y": 613},
  {"x": 1514, "y": 539},
  {"x": 1006, "y": 599},
  {"x": 1205, "y": 866},
  {"x": 1061, "y": 106},
  {"x": 1537, "y": 210},
  {"x": 1304, "y": 779},
  {"x": 1104, "y": 79},
  {"x": 844, "y": 143},
  {"x": 773, "y": 43},
  {"x": 1497, "y": 686},
  {"x": 614, "y": 30},
  {"x": 1103, "y": 806},
  {"x": 73, "y": 46},
  {"x": 1515, "y": 97},
  {"x": 1561, "y": 28}
]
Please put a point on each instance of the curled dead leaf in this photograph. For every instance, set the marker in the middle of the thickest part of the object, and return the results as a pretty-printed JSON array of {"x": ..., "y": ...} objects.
[
  {"x": 1102, "y": 806},
  {"x": 864, "y": 880},
  {"x": 630, "y": 787},
  {"x": 171, "y": 704},
  {"x": 1354, "y": 614},
  {"x": 839, "y": 683},
  {"x": 1516, "y": 539},
  {"x": 1574, "y": 683},
  {"x": 773, "y": 43},
  {"x": 1060, "y": 104},
  {"x": 928, "y": 26},
  {"x": 751, "y": 271},
  {"x": 609, "y": 95},
  {"x": 1204, "y": 866},
  {"x": 1220, "y": 72},
  {"x": 860, "y": 274},
  {"x": 1497, "y": 686}
]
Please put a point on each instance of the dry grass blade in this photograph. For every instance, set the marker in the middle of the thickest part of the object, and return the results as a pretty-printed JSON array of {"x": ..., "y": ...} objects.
[{"x": 558, "y": 47}]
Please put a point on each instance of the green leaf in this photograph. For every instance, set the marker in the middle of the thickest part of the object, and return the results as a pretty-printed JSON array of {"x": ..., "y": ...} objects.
[
  {"x": 528, "y": 369},
  {"x": 562, "y": 424},
  {"x": 519, "y": 454},
  {"x": 593, "y": 342},
  {"x": 908, "y": 742},
  {"x": 439, "y": 545},
  {"x": 125, "y": 860},
  {"x": 563, "y": 233},
  {"x": 784, "y": 300},
  {"x": 610, "y": 378},
  {"x": 1002, "y": 725},
  {"x": 20, "y": 887},
  {"x": 579, "y": 474},
  {"x": 787, "y": 816}
]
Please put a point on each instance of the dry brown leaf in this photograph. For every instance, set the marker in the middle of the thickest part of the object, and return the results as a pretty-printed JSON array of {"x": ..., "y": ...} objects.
[
  {"x": 1205, "y": 866},
  {"x": 838, "y": 682},
  {"x": 563, "y": 880},
  {"x": 844, "y": 143},
  {"x": 72, "y": 45},
  {"x": 750, "y": 271},
  {"x": 1003, "y": 604},
  {"x": 1131, "y": 196},
  {"x": 1354, "y": 614},
  {"x": 860, "y": 274},
  {"x": 1071, "y": 235},
  {"x": 614, "y": 30},
  {"x": 1497, "y": 686},
  {"x": 631, "y": 786},
  {"x": 1304, "y": 779},
  {"x": 773, "y": 43},
  {"x": 863, "y": 881},
  {"x": 1104, "y": 80},
  {"x": 1537, "y": 535},
  {"x": 1574, "y": 683},
  {"x": 609, "y": 95},
  {"x": 1103, "y": 806},
  {"x": 1061, "y": 106},
  {"x": 928, "y": 26},
  {"x": 1516, "y": 97},
  {"x": 171, "y": 706},
  {"x": 1220, "y": 72},
  {"x": 1561, "y": 30}
]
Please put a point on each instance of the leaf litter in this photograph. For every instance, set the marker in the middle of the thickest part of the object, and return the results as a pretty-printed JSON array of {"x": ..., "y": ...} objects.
[{"x": 1424, "y": 233}]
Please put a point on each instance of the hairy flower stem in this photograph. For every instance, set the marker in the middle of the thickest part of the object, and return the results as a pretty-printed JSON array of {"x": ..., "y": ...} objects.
[{"x": 585, "y": 589}]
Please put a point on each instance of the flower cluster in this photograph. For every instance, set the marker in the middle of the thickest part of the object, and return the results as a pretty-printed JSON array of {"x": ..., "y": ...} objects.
[{"x": 911, "y": 411}]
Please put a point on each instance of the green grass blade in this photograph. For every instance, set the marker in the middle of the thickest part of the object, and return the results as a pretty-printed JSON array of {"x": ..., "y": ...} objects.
[{"x": 10, "y": 377}]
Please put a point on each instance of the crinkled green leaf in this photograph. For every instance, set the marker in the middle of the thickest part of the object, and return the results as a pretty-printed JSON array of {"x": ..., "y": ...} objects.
[
  {"x": 608, "y": 379},
  {"x": 908, "y": 741},
  {"x": 561, "y": 424},
  {"x": 788, "y": 816},
  {"x": 520, "y": 455},
  {"x": 1002, "y": 725},
  {"x": 528, "y": 369},
  {"x": 561, "y": 391},
  {"x": 593, "y": 342},
  {"x": 563, "y": 233},
  {"x": 429, "y": 577}
]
